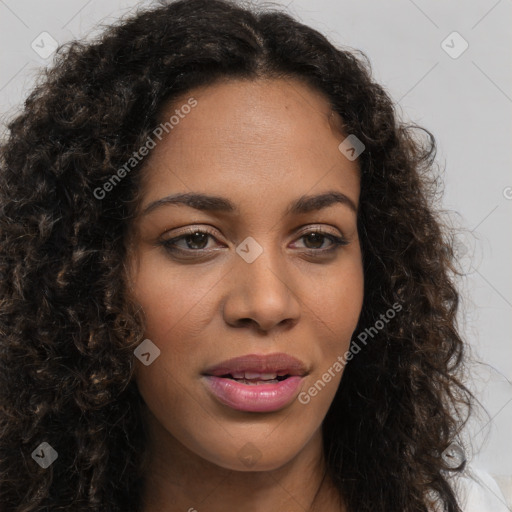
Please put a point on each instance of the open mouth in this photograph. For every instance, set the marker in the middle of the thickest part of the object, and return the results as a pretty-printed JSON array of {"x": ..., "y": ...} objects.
[
  {"x": 254, "y": 392},
  {"x": 256, "y": 383},
  {"x": 256, "y": 378}
]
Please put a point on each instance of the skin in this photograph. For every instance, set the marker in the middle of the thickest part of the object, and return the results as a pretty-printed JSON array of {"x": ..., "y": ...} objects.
[{"x": 260, "y": 144}]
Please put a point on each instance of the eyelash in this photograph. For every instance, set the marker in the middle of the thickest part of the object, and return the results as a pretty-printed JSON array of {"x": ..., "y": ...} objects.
[{"x": 170, "y": 244}]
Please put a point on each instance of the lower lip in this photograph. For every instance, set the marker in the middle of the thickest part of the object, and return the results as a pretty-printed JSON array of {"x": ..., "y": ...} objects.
[{"x": 254, "y": 397}]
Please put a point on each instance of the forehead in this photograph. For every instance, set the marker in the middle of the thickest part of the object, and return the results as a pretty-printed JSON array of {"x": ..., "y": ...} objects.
[
  {"x": 244, "y": 135},
  {"x": 252, "y": 112}
]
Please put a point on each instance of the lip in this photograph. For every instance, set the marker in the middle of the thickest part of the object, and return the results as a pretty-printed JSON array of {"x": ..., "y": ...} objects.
[
  {"x": 278, "y": 362},
  {"x": 256, "y": 397}
]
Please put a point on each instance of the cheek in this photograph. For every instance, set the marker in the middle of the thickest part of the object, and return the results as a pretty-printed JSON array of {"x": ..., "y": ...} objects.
[
  {"x": 173, "y": 303},
  {"x": 337, "y": 302},
  {"x": 336, "y": 307},
  {"x": 172, "y": 298},
  {"x": 336, "y": 314}
]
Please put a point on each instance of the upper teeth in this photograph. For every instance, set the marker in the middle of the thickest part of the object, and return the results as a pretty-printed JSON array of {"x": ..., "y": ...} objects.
[{"x": 254, "y": 375}]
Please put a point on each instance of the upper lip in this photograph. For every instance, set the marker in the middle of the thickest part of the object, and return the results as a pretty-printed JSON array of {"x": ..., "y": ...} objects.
[{"x": 269, "y": 363}]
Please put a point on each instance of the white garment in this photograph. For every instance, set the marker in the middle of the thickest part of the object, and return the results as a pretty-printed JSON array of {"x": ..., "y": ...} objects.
[{"x": 479, "y": 492}]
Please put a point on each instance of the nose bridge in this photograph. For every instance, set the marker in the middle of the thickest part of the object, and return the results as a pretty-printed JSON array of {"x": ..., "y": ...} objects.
[{"x": 261, "y": 289}]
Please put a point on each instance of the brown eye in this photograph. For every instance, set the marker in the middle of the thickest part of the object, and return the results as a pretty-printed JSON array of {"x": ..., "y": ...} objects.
[
  {"x": 315, "y": 239},
  {"x": 195, "y": 240}
]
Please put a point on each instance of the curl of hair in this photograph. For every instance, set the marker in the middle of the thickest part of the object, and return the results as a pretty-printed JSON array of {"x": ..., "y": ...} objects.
[{"x": 68, "y": 328}]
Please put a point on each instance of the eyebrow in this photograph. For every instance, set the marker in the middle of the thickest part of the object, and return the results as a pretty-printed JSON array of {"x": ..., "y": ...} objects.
[{"x": 208, "y": 203}]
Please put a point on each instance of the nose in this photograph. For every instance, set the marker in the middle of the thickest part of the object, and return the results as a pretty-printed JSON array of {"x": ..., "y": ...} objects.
[{"x": 261, "y": 295}]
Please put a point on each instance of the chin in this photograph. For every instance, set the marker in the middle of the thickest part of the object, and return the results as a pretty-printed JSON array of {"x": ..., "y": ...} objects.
[{"x": 248, "y": 456}]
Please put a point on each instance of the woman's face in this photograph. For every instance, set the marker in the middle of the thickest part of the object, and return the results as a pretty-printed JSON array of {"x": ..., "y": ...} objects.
[{"x": 258, "y": 282}]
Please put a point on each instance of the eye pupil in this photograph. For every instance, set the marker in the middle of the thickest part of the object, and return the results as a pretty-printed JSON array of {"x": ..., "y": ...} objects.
[
  {"x": 203, "y": 237},
  {"x": 318, "y": 237}
]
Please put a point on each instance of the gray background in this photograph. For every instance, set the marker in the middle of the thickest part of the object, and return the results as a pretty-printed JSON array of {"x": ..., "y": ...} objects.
[{"x": 464, "y": 101}]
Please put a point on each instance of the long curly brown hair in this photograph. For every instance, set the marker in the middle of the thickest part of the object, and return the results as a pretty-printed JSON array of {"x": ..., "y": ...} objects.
[{"x": 68, "y": 329}]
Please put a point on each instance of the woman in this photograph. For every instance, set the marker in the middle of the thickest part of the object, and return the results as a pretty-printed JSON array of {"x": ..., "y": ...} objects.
[{"x": 223, "y": 281}]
